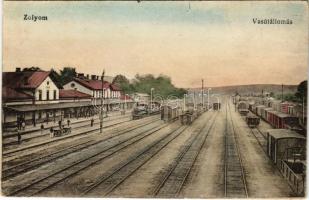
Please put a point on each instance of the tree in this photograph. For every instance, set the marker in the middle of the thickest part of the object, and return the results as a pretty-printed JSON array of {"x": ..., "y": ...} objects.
[
  {"x": 124, "y": 83},
  {"x": 162, "y": 85},
  {"x": 67, "y": 75},
  {"x": 301, "y": 93},
  {"x": 56, "y": 78},
  {"x": 120, "y": 80}
]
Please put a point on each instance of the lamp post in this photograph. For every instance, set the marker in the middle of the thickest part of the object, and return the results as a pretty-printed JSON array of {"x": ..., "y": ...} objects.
[
  {"x": 184, "y": 102},
  {"x": 151, "y": 97},
  {"x": 125, "y": 102},
  {"x": 203, "y": 93},
  {"x": 102, "y": 103},
  {"x": 194, "y": 101},
  {"x": 208, "y": 98}
]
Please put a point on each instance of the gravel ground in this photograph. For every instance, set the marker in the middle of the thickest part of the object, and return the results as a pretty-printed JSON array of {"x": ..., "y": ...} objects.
[
  {"x": 143, "y": 182},
  {"x": 73, "y": 186},
  {"x": 207, "y": 175}
]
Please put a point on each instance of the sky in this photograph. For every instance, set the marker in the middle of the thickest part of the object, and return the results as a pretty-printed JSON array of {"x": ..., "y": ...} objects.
[{"x": 188, "y": 41}]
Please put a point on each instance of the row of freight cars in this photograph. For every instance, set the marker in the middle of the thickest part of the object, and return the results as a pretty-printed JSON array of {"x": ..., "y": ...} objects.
[
  {"x": 275, "y": 118},
  {"x": 170, "y": 113},
  {"x": 252, "y": 120}
]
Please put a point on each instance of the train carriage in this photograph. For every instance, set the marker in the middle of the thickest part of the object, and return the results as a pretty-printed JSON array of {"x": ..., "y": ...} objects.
[
  {"x": 188, "y": 117},
  {"x": 278, "y": 140},
  {"x": 258, "y": 110},
  {"x": 242, "y": 105},
  {"x": 252, "y": 121},
  {"x": 264, "y": 112},
  {"x": 281, "y": 120},
  {"x": 216, "y": 106},
  {"x": 169, "y": 113},
  {"x": 140, "y": 111},
  {"x": 287, "y": 149}
]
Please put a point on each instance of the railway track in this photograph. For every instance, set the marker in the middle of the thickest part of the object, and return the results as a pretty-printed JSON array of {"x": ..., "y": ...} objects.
[
  {"x": 260, "y": 137},
  {"x": 176, "y": 175},
  {"x": 107, "y": 182},
  {"x": 14, "y": 151},
  {"x": 235, "y": 185},
  {"x": 69, "y": 169},
  {"x": 75, "y": 126},
  {"x": 9, "y": 172}
]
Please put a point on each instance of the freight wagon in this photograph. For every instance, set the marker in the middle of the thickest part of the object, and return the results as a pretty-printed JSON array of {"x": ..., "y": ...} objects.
[
  {"x": 279, "y": 140},
  {"x": 281, "y": 120},
  {"x": 216, "y": 106},
  {"x": 169, "y": 113},
  {"x": 252, "y": 121},
  {"x": 264, "y": 113},
  {"x": 143, "y": 110},
  {"x": 258, "y": 110},
  {"x": 242, "y": 107},
  {"x": 188, "y": 117}
]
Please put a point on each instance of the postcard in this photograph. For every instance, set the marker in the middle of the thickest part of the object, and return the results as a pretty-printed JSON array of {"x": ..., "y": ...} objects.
[{"x": 154, "y": 99}]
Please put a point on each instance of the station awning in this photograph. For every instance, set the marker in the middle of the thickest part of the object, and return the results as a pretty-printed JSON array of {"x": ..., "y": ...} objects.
[{"x": 27, "y": 108}]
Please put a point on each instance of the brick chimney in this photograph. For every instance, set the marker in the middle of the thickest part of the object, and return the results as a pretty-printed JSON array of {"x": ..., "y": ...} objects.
[{"x": 80, "y": 75}]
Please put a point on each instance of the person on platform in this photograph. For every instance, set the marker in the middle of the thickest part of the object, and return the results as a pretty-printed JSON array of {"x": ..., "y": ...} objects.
[
  {"x": 51, "y": 132},
  {"x": 91, "y": 122},
  {"x": 42, "y": 128},
  {"x": 18, "y": 136},
  {"x": 23, "y": 124}
]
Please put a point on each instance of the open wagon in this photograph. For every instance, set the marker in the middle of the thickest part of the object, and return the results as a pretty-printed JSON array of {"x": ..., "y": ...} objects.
[{"x": 252, "y": 121}]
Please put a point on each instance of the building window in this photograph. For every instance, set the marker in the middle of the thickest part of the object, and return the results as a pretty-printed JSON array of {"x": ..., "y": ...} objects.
[
  {"x": 55, "y": 94},
  {"x": 47, "y": 82},
  {"x": 47, "y": 95},
  {"x": 72, "y": 85},
  {"x": 40, "y": 115},
  {"x": 40, "y": 95}
]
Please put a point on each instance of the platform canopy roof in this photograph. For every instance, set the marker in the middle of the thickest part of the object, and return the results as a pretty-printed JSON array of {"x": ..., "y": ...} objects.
[
  {"x": 284, "y": 133},
  {"x": 33, "y": 107}
]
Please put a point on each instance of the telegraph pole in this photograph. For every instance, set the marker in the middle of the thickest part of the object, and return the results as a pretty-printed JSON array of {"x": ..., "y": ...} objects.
[
  {"x": 282, "y": 93},
  {"x": 203, "y": 93},
  {"x": 102, "y": 104}
]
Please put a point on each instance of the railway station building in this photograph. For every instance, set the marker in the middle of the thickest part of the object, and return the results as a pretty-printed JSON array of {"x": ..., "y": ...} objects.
[{"x": 33, "y": 97}]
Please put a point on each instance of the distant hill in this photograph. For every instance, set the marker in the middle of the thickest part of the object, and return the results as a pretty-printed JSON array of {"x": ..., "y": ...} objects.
[{"x": 247, "y": 89}]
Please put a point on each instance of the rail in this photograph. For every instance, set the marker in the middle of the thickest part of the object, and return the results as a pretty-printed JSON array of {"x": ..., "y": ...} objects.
[{"x": 235, "y": 184}]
